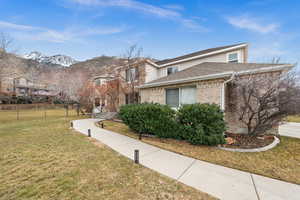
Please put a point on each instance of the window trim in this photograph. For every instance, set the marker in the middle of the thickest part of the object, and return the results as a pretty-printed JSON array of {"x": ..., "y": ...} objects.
[
  {"x": 128, "y": 72},
  {"x": 180, "y": 92},
  {"x": 98, "y": 82},
  {"x": 238, "y": 57},
  {"x": 173, "y": 70}
]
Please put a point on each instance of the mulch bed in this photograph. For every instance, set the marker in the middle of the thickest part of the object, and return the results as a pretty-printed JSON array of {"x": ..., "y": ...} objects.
[{"x": 244, "y": 141}]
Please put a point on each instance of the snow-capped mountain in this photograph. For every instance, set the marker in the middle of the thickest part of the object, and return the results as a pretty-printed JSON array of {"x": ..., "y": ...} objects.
[{"x": 63, "y": 60}]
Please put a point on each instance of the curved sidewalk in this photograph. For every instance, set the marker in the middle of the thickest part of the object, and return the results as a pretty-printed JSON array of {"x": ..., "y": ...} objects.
[
  {"x": 219, "y": 181},
  {"x": 290, "y": 129}
]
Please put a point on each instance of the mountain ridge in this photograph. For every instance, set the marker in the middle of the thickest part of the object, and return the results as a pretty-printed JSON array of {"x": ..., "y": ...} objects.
[{"x": 58, "y": 59}]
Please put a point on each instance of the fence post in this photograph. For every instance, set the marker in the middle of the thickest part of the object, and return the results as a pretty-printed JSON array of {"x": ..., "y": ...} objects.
[
  {"x": 67, "y": 110},
  {"x": 77, "y": 109},
  {"x": 17, "y": 108},
  {"x": 89, "y": 132},
  {"x": 136, "y": 156}
]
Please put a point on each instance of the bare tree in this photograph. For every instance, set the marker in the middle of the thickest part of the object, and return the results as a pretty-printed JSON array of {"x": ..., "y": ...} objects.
[
  {"x": 8, "y": 63},
  {"x": 5, "y": 43},
  {"x": 129, "y": 72},
  {"x": 110, "y": 92},
  {"x": 262, "y": 101},
  {"x": 70, "y": 83}
]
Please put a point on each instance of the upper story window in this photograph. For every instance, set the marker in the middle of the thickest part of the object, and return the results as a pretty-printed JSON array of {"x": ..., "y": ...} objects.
[
  {"x": 131, "y": 74},
  {"x": 172, "y": 70},
  {"x": 98, "y": 82},
  {"x": 233, "y": 57}
]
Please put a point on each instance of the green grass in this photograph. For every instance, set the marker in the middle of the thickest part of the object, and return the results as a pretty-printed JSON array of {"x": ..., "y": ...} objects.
[
  {"x": 44, "y": 159},
  {"x": 281, "y": 162}
]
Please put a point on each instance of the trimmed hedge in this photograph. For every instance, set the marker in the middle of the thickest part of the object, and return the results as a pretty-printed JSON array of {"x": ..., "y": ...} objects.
[
  {"x": 149, "y": 118},
  {"x": 203, "y": 123},
  {"x": 197, "y": 123}
]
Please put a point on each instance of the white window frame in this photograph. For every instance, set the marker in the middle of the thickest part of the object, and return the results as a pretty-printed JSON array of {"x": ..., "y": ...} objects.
[
  {"x": 179, "y": 94},
  {"x": 131, "y": 71},
  {"x": 234, "y": 52},
  {"x": 98, "y": 82},
  {"x": 173, "y": 69}
]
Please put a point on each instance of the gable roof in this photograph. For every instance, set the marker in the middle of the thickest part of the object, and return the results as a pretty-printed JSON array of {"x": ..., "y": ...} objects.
[
  {"x": 212, "y": 70},
  {"x": 200, "y": 53}
]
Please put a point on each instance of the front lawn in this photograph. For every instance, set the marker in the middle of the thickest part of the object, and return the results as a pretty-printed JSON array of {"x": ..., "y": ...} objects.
[
  {"x": 281, "y": 162},
  {"x": 293, "y": 118},
  {"x": 44, "y": 159}
]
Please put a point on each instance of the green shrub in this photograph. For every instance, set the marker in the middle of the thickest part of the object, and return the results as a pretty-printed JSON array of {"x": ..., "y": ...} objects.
[
  {"x": 149, "y": 118},
  {"x": 202, "y": 123},
  {"x": 197, "y": 123}
]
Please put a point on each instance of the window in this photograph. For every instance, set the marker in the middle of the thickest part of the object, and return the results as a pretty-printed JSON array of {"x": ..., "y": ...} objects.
[
  {"x": 131, "y": 74},
  {"x": 188, "y": 95},
  {"x": 172, "y": 70},
  {"x": 180, "y": 96},
  {"x": 233, "y": 58},
  {"x": 98, "y": 82},
  {"x": 172, "y": 97}
]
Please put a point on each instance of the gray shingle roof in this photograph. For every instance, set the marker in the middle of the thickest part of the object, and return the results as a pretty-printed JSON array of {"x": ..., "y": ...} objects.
[
  {"x": 198, "y": 53},
  {"x": 211, "y": 68}
]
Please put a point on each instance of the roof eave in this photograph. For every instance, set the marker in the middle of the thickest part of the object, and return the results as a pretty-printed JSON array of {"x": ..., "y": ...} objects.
[
  {"x": 203, "y": 55},
  {"x": 219, "y": 75},
  {"x": 198, "y": 78}
]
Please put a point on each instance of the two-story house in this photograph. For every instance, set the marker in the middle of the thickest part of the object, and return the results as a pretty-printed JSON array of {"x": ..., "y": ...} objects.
[{"x": 199, "y": 77}]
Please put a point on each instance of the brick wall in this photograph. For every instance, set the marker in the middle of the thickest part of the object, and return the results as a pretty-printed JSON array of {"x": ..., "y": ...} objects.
[
  {"x": 207, "y": 92},
  {"x": 232, "y": 104}
]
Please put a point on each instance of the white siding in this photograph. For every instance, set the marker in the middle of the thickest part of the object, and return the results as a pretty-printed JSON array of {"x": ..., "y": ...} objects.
[
  {"x": 215, "y": 58},
  {"x": 151, "y": 73}
]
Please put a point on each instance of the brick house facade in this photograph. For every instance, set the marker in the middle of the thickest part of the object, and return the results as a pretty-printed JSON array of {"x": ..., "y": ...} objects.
[{"x": 199, "y": 77}]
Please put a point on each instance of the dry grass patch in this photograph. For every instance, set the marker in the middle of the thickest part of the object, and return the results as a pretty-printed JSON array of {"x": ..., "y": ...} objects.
[
  {"x": 281, "y": 162},
  {"x": 293, "y": 118},
  {"x": 44, "y": 159}
]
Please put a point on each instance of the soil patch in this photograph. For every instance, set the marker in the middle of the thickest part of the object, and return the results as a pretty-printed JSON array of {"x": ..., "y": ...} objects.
[{"x": 243, "y": 141}]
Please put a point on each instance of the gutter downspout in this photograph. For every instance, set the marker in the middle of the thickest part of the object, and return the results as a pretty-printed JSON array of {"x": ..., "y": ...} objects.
[{"x": 223, "y": 95}]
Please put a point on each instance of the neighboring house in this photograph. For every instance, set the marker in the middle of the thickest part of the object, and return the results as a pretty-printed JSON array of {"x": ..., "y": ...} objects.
[
  {"x": 22, "y": 87},
  {"x": 141, "y": 72},
  {"x": 200, "y": 77}
]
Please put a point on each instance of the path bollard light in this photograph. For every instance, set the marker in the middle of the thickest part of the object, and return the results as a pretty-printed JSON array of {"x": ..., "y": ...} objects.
[
  {"x": 89, "y": 132},
  {"x": 136, "y": 156}
]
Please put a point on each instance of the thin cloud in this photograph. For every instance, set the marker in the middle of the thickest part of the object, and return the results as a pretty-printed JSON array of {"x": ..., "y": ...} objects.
[
  {"x": 252, "y": 24},
  {"x": 131, "y": 4},
  {"x": 9, "y": 25},
  {"x": 171, "y": 12},
  {"x": 50, "y": 35}
]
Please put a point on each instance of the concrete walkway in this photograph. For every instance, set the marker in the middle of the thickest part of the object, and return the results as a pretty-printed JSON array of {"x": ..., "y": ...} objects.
[
  {"x": 290, "y": 129},
  {"x": 219, "y": 181}
]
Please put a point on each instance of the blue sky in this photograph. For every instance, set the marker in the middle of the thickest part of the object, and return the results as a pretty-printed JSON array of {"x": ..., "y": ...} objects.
[{"x": 87, "y": 28}]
